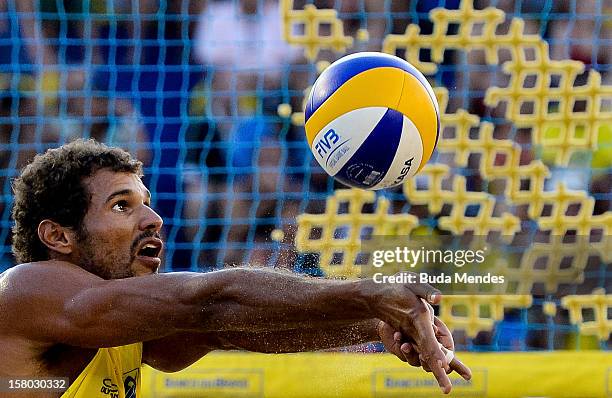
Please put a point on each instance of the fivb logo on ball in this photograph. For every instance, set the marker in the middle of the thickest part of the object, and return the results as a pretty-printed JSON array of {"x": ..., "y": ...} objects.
[{"x": 372, "y": 120}]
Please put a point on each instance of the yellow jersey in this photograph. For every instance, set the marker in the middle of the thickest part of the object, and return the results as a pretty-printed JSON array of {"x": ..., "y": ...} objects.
[{"x": 113, "y": 373}]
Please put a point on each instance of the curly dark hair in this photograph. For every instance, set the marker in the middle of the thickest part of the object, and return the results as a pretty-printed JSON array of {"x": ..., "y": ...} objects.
[{"x": 51, "y": 187}]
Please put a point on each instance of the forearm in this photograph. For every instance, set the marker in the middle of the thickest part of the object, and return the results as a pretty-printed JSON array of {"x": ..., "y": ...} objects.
[
  {"x": 299, "y": 340},
  {"x": 259, "y": 300},
  {"x": 180, "y": 350}
]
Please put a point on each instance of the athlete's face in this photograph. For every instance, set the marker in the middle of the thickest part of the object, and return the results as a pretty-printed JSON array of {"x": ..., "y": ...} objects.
[{"x": 120, "y": 234}]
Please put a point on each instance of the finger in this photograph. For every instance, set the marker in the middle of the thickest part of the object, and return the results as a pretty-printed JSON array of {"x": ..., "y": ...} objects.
[
  {"x": 425, "y": 367},
  {"x": 380, "y": 329},
  {"x": 395, "y": 350},
  {"x": 411, "y": 355},
  {"x": 392, "y": 344},
  {"x": 444, "y": 335},
  {"x": 460, "y": 368},
  {"x": 446, "y": 341},
  {"x": 427, "y": 343},
  {"x": 440, "y": 374},
  {"x": 397, "y": 336},
  {"x": 427, "y": 292},
  {"x": 413, "y": 360},
  {"x": 431, "y": 353},
  {"x": 398, "y": 353}
]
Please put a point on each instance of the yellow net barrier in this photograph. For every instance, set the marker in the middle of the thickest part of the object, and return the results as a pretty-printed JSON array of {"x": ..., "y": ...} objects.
[
  {"x": 546, "y": 106},
  {"x": 549, "y": 104},
  {"x": 551, "y": 264},
  {"x": 599, "y": 305},
  {"x": 310, "y": 22},
  {"x": 475, "y": 313},
  {"x": 459, "y": 198},
  {"x": 583, "y": 223},
  {"x": 339, "y": 233},
  {"x": 543, "y": 97},
  {"x": 468, "y": 19}
]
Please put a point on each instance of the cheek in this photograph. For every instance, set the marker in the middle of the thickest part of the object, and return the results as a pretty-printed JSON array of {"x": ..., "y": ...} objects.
[
  {"x": 109, "y": 226},
  {"x": 112, "y": 255},
  {"x": 110, "y": 241},
  {"x": 111, "y": 234},
  {"x": 118, "y": 248}
]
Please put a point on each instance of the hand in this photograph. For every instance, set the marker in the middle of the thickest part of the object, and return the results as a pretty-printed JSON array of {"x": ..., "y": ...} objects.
[
  {"x": 400, "y": 306},
  {"x": 392, "y": 340},
  {"x": 445, "y": 337},
  {"x": 411, "y": 351}
]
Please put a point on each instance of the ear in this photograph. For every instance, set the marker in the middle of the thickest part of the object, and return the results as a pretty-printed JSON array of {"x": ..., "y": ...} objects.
[{"x": 55, "y": 237}]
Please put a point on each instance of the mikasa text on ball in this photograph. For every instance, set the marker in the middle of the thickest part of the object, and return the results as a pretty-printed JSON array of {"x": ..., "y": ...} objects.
[{"x": 372, "y": 120}]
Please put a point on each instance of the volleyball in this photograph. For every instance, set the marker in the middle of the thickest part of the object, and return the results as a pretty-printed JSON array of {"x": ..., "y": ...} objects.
[{"x": 372, "y": 120}]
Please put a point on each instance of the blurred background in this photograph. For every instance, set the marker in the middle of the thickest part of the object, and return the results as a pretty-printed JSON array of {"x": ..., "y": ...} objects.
[{"x": 209, "y": 95}]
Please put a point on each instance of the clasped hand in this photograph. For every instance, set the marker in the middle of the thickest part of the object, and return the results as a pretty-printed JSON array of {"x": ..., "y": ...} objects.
[{"x": 406, "y": 348}]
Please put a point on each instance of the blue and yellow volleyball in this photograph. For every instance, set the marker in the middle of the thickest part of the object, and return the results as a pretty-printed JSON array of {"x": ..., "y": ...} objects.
[{"x": 372, "y": 120}]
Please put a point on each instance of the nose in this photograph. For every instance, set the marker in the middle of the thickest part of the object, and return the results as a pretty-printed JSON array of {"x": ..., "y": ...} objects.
[{"x": 150, "y": 220}]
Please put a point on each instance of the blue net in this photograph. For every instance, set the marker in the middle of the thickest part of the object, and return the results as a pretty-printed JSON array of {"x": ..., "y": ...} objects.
[{"x": 197, "y": 90}]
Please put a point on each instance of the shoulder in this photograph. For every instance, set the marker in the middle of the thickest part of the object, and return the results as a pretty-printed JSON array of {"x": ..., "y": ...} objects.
[
  {"x": 27, "y": 285},
  {"x": 24, "y": 277}
]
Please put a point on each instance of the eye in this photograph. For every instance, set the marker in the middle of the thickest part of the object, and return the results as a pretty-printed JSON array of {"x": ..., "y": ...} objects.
[{"x": 120, "y": 206}]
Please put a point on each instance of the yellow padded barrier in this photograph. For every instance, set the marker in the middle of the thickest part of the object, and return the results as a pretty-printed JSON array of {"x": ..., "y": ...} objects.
[
  {"x": 335, "y": 375},
  {"x": 599, "y": 303}
]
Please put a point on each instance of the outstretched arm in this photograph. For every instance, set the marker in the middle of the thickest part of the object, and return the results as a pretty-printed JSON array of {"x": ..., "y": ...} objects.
[{"x": 58, "y": 302}]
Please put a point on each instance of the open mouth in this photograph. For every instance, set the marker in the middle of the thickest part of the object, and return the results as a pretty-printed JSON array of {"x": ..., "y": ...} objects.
[{"x": 150, "y": 248}]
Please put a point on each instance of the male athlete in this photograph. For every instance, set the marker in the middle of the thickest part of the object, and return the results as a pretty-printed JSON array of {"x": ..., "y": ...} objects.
[{"x": 87, "y": 303}]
